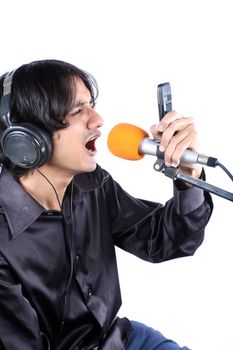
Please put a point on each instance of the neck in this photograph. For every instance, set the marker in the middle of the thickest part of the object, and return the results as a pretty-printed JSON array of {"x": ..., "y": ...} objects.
[{"x": 46, "y": 187}]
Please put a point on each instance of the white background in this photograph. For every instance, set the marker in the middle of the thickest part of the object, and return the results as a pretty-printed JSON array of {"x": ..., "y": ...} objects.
[{"x": 130, "y": 47}]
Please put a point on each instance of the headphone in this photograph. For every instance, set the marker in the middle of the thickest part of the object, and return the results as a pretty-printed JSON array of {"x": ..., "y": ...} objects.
[{"x": 26, "y": 145}]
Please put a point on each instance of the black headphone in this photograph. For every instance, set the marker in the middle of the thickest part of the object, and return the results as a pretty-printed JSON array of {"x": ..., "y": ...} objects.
[{"x": 26, "y": 145}]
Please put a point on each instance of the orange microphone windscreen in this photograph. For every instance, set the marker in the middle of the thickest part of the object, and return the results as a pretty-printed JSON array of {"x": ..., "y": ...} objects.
[{"x": 124, "y": 139}]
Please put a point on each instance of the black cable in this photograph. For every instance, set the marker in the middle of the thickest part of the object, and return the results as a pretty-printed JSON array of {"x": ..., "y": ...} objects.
[
  {"x": 55, "y": 191},
  {"x": 225, "y": 169}
]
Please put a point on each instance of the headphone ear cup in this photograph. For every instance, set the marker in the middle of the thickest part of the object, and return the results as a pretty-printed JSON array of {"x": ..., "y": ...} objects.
[{"x": 26, "y": 145}]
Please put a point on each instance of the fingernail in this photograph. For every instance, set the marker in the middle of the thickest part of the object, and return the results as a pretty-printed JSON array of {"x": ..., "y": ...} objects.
[
  {"x": 160, "y": 128},
  {"x": 161, "y": 148},
  {"x": 152, "y": 128}
]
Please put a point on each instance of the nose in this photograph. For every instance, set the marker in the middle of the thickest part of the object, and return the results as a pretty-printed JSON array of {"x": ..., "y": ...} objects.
[{"x": 95, "y": 120}]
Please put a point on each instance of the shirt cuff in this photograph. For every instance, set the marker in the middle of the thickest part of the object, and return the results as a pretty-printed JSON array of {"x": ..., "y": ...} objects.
[{"x": 187, "y": 200}]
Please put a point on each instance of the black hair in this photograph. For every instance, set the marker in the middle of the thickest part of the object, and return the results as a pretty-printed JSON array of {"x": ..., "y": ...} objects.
[{"x": 42, "y": 94}]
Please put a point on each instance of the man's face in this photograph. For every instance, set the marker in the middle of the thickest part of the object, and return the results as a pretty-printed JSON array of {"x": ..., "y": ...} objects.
[{"x": 74, "y": 147}]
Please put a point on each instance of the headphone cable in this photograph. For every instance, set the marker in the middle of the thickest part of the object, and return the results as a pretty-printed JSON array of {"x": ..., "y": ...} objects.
[{"x": 53, "y": 187}]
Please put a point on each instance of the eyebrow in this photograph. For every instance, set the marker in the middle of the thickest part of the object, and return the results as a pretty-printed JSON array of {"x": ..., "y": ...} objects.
[{"x": 80, "y": 103}]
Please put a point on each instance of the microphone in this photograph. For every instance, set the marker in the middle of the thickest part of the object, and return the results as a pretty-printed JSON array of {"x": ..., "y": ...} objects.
[{"x": 130, "y": 142}]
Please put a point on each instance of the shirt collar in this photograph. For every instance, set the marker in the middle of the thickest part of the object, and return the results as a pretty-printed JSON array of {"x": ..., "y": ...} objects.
[{"x": 20, "y": 209}]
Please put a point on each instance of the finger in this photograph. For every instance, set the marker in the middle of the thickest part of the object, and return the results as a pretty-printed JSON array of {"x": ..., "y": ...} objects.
[
  {"x": 169, "y": 118},
  {"x": 156, "y": 133},
  {"x": 185, "y": 139},
  {"x": 174, "y": 128}
]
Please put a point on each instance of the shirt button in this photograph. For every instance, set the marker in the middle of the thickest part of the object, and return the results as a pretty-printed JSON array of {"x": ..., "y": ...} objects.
[
  {"x": 90, "y": 292},
  {"x": 77, "y": 257}
]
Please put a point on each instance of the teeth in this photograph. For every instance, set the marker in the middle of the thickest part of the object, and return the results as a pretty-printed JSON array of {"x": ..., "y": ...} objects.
[{"x": 92, "y": 138}]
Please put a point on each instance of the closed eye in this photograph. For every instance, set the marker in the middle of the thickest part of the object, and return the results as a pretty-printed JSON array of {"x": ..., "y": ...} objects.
[
  {"x": 85, "y": 106},
  {"x": 76, "y": 112}
]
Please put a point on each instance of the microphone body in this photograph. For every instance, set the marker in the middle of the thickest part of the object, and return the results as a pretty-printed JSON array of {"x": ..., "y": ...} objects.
[
  {"x": 151, "y": 147},
  {"x": 131, "y": 142}
]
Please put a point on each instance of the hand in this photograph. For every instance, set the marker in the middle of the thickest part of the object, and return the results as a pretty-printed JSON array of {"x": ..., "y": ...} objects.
[{"x": 176, "y": 134}]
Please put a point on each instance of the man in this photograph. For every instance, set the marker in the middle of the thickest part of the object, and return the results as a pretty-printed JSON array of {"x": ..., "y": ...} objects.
[{"x": 61, "y": 215}]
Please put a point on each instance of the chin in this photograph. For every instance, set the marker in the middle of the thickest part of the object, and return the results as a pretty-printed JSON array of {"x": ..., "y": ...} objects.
[
  {"x": 88, "y": 169},
  {"x": 92, "y": 168}
]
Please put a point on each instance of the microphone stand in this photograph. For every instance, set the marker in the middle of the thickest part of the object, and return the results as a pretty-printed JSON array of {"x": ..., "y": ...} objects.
[{"x": 176, "y": 173}]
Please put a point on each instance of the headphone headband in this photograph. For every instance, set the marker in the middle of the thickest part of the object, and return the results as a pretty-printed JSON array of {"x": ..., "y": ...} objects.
[
  {"x": 7, "y": 83},
  {"x": 5, "y": 100}
]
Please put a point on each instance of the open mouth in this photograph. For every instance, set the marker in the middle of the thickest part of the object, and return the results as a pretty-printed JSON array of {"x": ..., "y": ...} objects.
[{"x": 90, "y": 145}]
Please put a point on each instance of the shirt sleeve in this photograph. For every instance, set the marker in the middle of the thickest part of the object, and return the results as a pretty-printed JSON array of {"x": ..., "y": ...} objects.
[
  {"x": 188, "y": 200},
  {"x": 157, "y": 232},
  {"x": 19, "y": 327}
]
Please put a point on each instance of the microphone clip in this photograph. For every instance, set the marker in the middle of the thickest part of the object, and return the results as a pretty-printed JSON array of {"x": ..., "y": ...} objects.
[{"x": 159, "y": 165}]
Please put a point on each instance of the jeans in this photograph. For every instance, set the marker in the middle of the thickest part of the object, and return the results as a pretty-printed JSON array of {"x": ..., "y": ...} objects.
[{"x": 142, "y": 337}]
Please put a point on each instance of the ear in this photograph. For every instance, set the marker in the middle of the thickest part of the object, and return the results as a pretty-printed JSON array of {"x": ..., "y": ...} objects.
[{"x": 56, "y": 136}]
